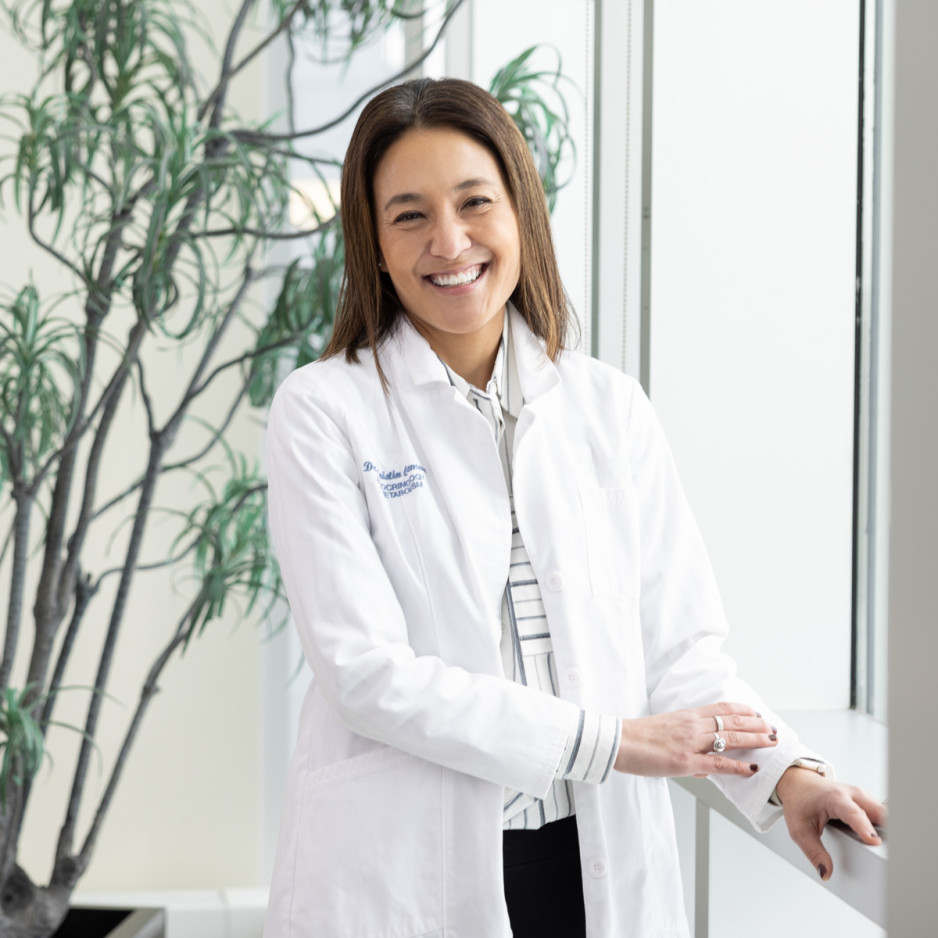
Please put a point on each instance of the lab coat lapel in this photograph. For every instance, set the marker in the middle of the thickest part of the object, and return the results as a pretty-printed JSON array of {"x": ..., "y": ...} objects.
[
  {"x": 469, "y": 509},
  {"x": 536, "y": 372},
  {"x": 537, "y": 376}
]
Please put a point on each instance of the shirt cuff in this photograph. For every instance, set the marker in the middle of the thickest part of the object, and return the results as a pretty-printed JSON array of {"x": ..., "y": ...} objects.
[{"x": 591, "y": 748}]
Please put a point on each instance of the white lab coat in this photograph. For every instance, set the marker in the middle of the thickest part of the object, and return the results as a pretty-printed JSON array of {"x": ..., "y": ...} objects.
[{"x": 391, "y": 521}]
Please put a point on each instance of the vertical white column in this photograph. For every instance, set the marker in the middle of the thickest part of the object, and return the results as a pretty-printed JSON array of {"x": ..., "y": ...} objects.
[
  {"x": 911, "y": 79},
  {"x": 617, "y": 183}
]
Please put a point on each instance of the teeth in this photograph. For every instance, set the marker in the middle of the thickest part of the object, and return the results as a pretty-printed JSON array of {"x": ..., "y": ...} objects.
[{"x": 457, "y": 280}]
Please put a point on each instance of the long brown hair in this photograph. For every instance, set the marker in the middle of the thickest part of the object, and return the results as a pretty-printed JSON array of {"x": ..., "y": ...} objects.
[{"x": 368, "y": 305}]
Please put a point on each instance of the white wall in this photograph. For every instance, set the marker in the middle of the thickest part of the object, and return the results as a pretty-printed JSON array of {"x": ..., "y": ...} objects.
[{"x": 752, "y": 292}]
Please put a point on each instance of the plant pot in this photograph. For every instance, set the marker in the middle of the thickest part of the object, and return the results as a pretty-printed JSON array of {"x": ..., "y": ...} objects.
[{"x": 112, "y": 923}]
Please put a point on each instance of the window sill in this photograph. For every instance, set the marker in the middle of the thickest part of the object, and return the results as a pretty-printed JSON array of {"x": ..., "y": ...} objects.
[{"x": 857, "y": 747}]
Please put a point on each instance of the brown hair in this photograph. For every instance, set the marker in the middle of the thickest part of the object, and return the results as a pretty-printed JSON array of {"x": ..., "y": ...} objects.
[{"x": 368, "y": 305}]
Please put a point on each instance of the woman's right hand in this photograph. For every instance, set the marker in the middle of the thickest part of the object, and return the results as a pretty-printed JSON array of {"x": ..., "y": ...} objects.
[{"x": 681, "y": 742}]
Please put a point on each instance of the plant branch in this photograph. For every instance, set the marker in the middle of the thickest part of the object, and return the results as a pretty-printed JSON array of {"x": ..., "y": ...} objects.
[
  {"x": 159, "y": 444},
  {"x": 21, "y": 524},
  {"x": 148, "y": 691},
  {"x": 228, "y": 70},
  {"x": 48, "y": 248},
  {"x": 241, "y": 359},
  {"x": 58, "y": 599},
  {"x": 181, "y": 464},
  {"x": 194, "y": 388},
  {"x": 84, "y": 592},
  {"x": 67, "y": 833},
  {"x": 57, "y": 577},
  {"x": 145, "y": 397},
  {"x": 254, "y": 136},
  {"x": 156, "y": 565},
  {"x": 265, "y": 235},
  {"x": 7, "y": 541}
]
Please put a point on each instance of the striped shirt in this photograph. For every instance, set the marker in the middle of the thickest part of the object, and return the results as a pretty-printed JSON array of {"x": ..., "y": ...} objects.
[{"x": 527, "y": 653}]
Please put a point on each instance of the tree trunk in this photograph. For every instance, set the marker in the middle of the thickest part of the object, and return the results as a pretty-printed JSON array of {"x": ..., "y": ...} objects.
[{"x": 28, "y": 911}]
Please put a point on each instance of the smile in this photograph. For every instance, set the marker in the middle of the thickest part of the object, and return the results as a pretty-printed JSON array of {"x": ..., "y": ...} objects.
[{"x": 459, "y": 279}]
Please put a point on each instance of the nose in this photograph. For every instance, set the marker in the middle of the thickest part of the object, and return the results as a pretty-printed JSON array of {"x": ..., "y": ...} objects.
[{"x": 449, "y": 238}]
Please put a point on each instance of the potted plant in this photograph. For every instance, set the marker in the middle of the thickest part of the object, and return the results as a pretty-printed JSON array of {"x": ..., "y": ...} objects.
[{"x": 161, "y": 206}]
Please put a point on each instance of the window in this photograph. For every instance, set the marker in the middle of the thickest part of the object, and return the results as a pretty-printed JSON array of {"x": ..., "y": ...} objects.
[{"x": 753, "y": 285}]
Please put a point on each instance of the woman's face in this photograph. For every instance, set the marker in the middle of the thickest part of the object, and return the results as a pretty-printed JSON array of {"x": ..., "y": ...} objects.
[{"x": 447, "y": 234}]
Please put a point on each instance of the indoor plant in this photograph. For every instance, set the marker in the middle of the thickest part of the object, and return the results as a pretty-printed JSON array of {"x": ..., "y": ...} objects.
[{"x": 161, "y": 205}]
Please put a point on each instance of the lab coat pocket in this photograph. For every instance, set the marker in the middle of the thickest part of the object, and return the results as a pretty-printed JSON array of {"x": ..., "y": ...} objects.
[
  {"x": 369, "y": 856},
  {"x": 612, "y": 545}
]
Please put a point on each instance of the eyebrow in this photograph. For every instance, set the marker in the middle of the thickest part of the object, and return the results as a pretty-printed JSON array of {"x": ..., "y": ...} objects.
[{"x": 404, "y": 197}]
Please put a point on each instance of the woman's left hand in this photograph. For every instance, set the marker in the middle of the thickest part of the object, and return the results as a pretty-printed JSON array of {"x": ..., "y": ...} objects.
[{"x": 809, "y": 801}]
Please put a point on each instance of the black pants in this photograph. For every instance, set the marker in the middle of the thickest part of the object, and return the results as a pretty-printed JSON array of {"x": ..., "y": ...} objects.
[{"x": 543, "y": 883}]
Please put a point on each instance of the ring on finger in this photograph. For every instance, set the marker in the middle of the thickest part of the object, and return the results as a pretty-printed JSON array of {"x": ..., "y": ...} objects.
[
  {"x": 719, "y": 721},
  {"x": 719, "y": 743}
]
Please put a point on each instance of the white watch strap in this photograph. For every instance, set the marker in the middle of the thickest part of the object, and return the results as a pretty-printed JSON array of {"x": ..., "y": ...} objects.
[{"x": 806, "y": 762}]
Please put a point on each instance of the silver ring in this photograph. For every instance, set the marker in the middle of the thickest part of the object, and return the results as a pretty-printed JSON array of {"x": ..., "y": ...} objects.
[
  {"x": 719, "y": 743},
  {"x": 719, "y": 723}
]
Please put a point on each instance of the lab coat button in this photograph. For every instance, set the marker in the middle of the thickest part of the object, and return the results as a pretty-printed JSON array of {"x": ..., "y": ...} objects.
[
  {"x": 597, "y": 868},
  {"x": 555, "y": 581},
  {"x": 572, "y": 676}
]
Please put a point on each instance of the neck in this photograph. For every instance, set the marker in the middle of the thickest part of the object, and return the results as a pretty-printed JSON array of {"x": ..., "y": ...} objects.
[{"x": 472, "y": 355}]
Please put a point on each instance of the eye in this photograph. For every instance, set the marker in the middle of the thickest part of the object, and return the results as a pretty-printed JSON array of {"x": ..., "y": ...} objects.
[
  {"x": 406, "y": 217},
  {"x": 477, "y": 201}
]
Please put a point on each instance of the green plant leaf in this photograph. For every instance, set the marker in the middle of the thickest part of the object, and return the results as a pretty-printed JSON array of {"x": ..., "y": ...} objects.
[
  {"x": 535, "y": 102},
  {"x": 41, "y": 372}
]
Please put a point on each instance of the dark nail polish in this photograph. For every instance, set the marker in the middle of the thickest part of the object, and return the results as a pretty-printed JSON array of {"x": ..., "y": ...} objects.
[
  {"x": 774, "y": 737},
  {"x": 753, "y": 766},
  {"x": 774, "y": 729},
  {"x": 822, "y": 869}
]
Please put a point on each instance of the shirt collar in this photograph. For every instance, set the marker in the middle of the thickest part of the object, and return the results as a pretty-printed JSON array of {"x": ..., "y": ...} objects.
[
  {"x": 410, "y": 363},
  {"x": 504, "y": 383}
]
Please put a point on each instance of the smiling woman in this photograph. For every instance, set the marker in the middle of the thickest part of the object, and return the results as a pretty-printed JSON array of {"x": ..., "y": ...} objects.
[
  {"x": 495, "y": 158},
  {"x": 448, "y": 236},
  {"x": 508, "y": 610}
]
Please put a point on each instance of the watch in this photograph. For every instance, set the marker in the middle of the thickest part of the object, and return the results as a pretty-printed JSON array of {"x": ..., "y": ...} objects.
[
  {"x": 804, "y": 762},
  {"x": 815, "y": 765}
]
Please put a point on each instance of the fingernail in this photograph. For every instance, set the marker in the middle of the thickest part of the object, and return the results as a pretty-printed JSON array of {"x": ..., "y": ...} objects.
[
  {"x": 822, "y": 869},
  {"x": 774, "y": 729},
  {"x": 874, "y": 834},
  {"x": 774, "y": 737},
  {"x": 753, "y": 766}
]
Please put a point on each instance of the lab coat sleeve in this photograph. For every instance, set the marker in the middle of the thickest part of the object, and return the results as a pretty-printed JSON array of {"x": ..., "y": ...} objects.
[
  {"x": 353, "y": 630},
  {"x": 683, "y": 622}
]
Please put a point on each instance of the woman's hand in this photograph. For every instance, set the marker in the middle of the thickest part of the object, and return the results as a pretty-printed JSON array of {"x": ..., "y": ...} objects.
[
  {"x": 809, "y": 801},
  {"x": 682, "y": 742}
]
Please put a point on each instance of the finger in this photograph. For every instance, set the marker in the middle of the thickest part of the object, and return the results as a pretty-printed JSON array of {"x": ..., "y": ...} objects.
[
  {"x": 721, "y": 765},
  {"x": 808, "y": 839},
  {"x": 748, "y": 724},
  {"x": 736, "y": 740},
  {"x": 875, "y": 810},
  {"x": 727, "y": 709},
  {"x": 727, "y": 741},
  {"x": 726, "y": 716},
  {"x": 859, "y": 822}
]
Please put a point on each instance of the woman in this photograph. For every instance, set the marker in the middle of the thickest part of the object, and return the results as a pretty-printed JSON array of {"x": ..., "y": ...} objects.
[{"x": 508, "y": 611}]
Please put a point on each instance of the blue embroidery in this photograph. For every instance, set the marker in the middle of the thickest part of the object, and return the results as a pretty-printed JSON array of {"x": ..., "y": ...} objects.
[{"x": 395, "y": 483}]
